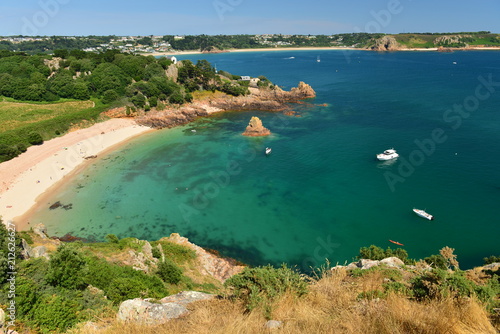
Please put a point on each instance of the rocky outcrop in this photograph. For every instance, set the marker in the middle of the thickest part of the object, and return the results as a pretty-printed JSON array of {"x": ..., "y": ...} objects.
[
  {"x": 392, "y": 262},
  {"x": 256, "y": 129},
  {"x": 142, "y": 260},
  {"x": 40, "y": 230},
  {"x": 386, "y": 43},
  {"x": 147, "y": 313},
  {"x": 451, "y": 40},
  {"x": 171, "y": 307},
  {"x": 172, "y": 71},
  {"x": 266, "y": 99},
  {"x": 208, "y": 264}
]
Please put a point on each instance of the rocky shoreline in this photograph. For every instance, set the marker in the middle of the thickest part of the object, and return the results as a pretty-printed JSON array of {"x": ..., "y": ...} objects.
[{"x": 265, "y": 99}]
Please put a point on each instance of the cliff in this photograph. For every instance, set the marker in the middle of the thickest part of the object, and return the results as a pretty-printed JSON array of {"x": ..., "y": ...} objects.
[
  {"x": 265, "y": 99},
  {"x": 256, "y": 129},
  {"x": 387, "y": 43}
]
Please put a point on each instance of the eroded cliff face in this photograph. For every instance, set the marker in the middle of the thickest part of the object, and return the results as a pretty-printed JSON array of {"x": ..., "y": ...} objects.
[
  {"x": 256, "y": 129},
  {"x": 387, "y": 43}
]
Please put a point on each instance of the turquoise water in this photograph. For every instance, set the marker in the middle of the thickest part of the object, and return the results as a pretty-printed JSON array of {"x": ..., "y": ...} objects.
[{"x": 321, "y": 193}]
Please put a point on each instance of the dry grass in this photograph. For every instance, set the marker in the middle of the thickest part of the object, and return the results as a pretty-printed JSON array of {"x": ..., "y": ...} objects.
[{"x": 331, "y": 306}]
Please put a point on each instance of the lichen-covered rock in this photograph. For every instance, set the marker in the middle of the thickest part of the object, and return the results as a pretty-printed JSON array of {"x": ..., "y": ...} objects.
[
  {"x": 144, "y": 312},
  {"x": 256, "y": 129},
  {"x": 367, "y": 264},
  {"x": 392, "y": 262}
]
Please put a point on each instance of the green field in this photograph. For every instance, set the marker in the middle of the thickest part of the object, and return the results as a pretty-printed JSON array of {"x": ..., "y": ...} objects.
[
  {"x": 25, "y": 124},
  {"x": 15, "y": 114}
]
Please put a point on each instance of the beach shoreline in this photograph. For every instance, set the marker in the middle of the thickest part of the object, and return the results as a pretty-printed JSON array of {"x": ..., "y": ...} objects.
[
  {"x": 27, "y": 177},
  {"x": 334, "y": 48}
]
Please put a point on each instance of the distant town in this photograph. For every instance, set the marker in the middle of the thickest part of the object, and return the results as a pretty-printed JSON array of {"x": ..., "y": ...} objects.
[{"x": 215, "y": 43}]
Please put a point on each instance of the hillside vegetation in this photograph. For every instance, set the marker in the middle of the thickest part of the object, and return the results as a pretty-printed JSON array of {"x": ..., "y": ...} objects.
[
  {"x": 79, "y": 282},
  {"x": 73, "y": 86}
]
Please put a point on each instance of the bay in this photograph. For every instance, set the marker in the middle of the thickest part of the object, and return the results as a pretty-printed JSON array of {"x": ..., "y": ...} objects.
[{"x": 321, "y": 193}]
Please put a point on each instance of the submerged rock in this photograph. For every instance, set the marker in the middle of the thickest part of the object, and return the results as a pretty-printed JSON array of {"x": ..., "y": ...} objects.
[{"x": 256, "y": 129}]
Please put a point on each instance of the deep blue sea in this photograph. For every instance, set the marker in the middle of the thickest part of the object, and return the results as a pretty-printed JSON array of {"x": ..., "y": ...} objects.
[{"x": 321, "y": 193}]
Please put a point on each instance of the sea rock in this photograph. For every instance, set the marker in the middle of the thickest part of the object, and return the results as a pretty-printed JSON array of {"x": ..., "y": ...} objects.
[
  {"x": 256, "y": 129},
  {"x": 386, "y": 43},
  {"x": 302, "y": 91},
  {"x": 41, "y": 231},
  {"x": 273, "y": 324},
  {"x": 186, "y": 297},
  {"x": 392, "y": 262},
  {"x": 144, "y": 312}
]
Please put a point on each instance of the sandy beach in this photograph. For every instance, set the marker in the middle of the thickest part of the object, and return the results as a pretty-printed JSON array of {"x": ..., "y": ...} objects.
[
  {"x": 179, "y": 53},
  {"x": 26, "y": 177}
]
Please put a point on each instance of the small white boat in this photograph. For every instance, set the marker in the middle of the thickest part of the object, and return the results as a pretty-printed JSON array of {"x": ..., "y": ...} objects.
[
  {"x": 268, "y": 150},
  {"x": 318, "y": 60},
  {"x": 423, "y": 214},
  {"x": 388, "y": 155}
]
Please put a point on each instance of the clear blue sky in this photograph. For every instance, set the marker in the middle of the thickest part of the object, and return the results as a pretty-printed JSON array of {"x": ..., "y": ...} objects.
[{"x": 154, "y": 17}]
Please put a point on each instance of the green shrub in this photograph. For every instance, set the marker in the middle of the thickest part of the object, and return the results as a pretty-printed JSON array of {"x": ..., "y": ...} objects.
[
  {"x": 491, "y": 259},
  {"x": 176, "y": 98},
  {"x": 436, "y": 261},
  {"x": 377, "y": 253},
  {"x": 67, "y": 268},
  {"x": 35, "y": 138},
  {"x": 169, "y": 272},
  {"x": 121, "y": 282},
  {"x": 55, "y": 313},
  {"x": 112, "y": 238},
  {"x": 261, "y": 286}
]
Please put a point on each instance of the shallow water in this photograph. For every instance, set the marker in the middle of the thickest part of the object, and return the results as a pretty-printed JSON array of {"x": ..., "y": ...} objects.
[{"x": 321, "y": 193}]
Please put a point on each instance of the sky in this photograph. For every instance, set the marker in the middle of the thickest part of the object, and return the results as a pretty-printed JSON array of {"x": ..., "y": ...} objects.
[{"x": 213, "y": 17}]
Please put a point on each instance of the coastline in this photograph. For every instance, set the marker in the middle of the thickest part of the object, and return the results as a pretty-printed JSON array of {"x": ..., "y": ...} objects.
[
  {"x": 28, "y": 176},
  {"x": 191, "y": 52}
]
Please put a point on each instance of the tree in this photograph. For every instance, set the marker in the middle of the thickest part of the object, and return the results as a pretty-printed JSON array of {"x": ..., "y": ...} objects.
[
  {"x": 81, "y": 91},
  {"x": 67, "y": 267},
  {"x": 109, "y": 96},
  {"x": 176, "y": 98},
  {"x": 138, "y": 100}
]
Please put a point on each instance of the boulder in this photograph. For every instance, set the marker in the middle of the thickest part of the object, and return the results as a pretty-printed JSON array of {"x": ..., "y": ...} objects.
[
  {"x": 186, "y": 297},
  {"x": 367, "y": 264},
  {"x": 144, "y": 312},
  {"x": 392, "y": 262},
  {"x": 256, "y": 129}
]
